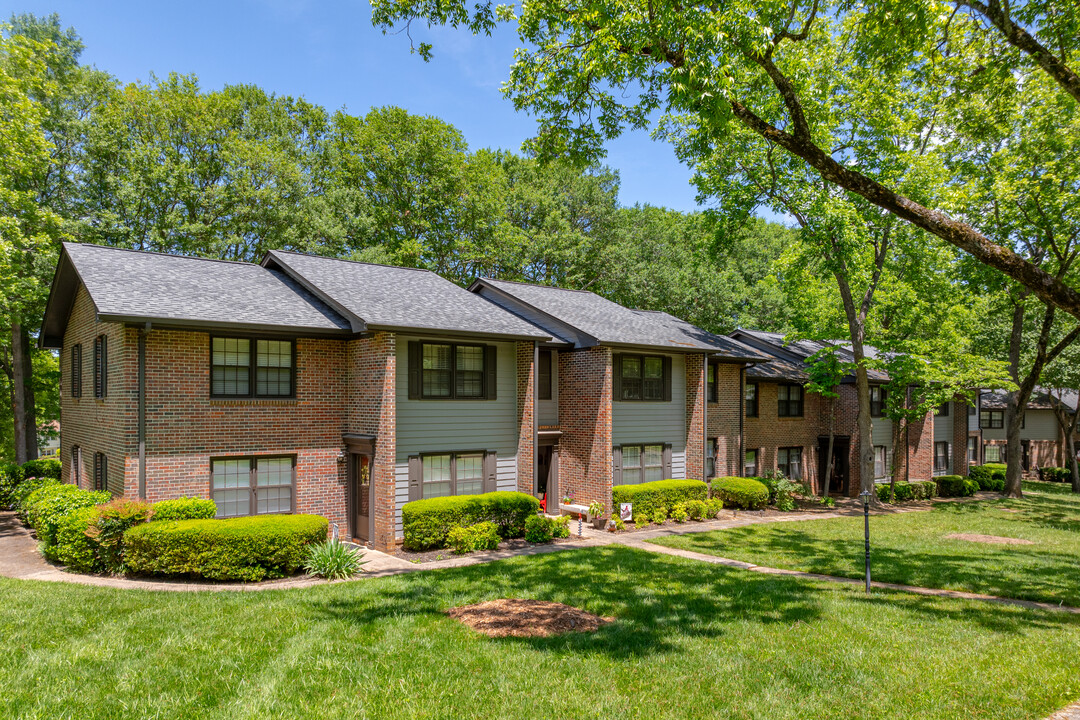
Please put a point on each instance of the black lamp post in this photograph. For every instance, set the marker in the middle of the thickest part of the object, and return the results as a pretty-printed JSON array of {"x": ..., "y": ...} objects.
[{"x": 865, "y": 495}]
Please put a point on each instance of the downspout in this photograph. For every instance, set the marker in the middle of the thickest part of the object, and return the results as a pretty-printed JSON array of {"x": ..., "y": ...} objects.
[
  {"x": 142, "y": 410},
  {"x": 705, "y": 415},
  {"x": 742, "y": 416}
]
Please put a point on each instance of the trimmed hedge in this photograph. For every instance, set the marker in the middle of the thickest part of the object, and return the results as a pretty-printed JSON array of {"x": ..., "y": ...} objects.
[
  {"x": 44, "y": 508},
  {"x": 184, "y": 508},
  {"x": 42, "y": 467},
  {"x": 1055, "y": 474},
  {"x": 245, "y": 548},
  {"x": 27, "y": 488},
  {"x": 74, "y": 547},
  {"x": 739, "y": 492},
  {"x": 988, "y": 477},
  {"x": 427, "y": 523},
  {"x": 906, "y": 491},
  {"x": 658, "y": 496},
  {"x": 11, "y": 475},
  {"x": 955, "y": 486}
]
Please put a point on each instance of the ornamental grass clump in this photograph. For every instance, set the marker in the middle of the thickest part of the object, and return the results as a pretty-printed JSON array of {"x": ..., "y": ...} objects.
[{"x": 333, "y": 560}]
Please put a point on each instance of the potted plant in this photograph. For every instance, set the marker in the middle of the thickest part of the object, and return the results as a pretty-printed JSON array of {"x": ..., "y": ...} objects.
[{"x": 596, "y": 515}]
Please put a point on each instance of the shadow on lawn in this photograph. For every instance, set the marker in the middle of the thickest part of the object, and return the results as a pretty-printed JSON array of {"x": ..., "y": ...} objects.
[{"x": 658, "y": 602}]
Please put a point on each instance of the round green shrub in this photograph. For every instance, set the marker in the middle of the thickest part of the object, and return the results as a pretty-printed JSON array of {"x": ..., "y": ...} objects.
[
  {"x": 742, "y": 493},
  {"x": 481, "y": 536},
  {"x": 560, "y": 527},
  {"x": 427, "y": 523},
  {"x": 955, "y": 486},
  {"x": 333, "y": 560},
  {"x": 11, "y": 475},
  {"x": 184, "y": 508},
  {"x": 538, "y": 529},
  {"x": 28, "y": 487},
  {"x": 246, "y": 548},
  {"x": 648, "y": 498},
  {"x": 42, "y": 467},
  {"x": 713, "y": 506},
  {"x": 74, "y": 548},
  {"x": 44, "y": 508}
]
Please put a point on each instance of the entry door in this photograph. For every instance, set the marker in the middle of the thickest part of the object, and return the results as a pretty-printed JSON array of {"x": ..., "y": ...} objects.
[
  {"x": 543, "y": 469},
  {"x": 362, "y": 493},
  {"x": 838, "y": 481}
]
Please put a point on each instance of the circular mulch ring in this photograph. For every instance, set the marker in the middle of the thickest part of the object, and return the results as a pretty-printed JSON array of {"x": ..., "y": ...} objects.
[
  {"x": 526, "y": 618},
  {"x": 988, "y": 539}
]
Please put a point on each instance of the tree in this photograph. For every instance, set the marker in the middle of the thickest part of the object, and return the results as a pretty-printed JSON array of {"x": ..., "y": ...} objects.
[
  {"x": 827, "y": 371},
  {"x": 798, "y": 74}
]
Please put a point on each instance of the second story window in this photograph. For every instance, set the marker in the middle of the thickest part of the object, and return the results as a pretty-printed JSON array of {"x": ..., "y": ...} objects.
[
  {"x": 877, "y": 401},
  {"x": 451, "y": 371},
  {"x": 992, "y": 420},
  {"x": 642, "y": 377},
  {"x": 789, "y": 401},
  {"x": 710, "y": 379},
  {"x": 76, "y": 371},
  {"x": 543, "y": 375},
  {"x": 101, "y": 366},
  {"x": 942, "y": 410},
  {"x": 246, "y": 367},
  {"x": 751, "y": 399}
]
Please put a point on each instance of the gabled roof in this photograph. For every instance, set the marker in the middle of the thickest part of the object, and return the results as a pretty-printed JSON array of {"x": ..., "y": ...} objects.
[
  {"x": 584, "y": 319},
  {"x": 788, "y": 361},
  {"x": 134, "y": 286},
  {"x": 1041, "y": 399},
  {"x": 383, "y": 297}
]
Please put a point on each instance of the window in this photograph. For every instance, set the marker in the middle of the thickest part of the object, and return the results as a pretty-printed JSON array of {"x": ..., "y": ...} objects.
[
  {"x": 877, "y": 401},
  {"x": 992, "y": 419},
  {"x": 253, "y": 485},
  {"x": 76, "y": 465},
  {"x": 789, "y": 462},
  {"x": 712, "y": 447},
  {"x": 973, "y": 449},
  {"x": 941, "y": 458},
  {"x": 643, "y": 377},
  {"x": 645, "y": 463},
  {"x": 448, "y": 371},
  {"x": 750, "y": 395},
  {"x": 447, "y": 474},
  {"x": 543, "y": 375},
  {"x": 789, "y": 401},
  {"x": 993, "y": 453},
  {"x": 750, "y": 463},
  {"x": 971, "y": 409},
  {"x": 101, "y": 366},
  {"x": 942, "y": 410},
  {"x": 76, "y": 371},
  {"x": 881, "y": 467},
  {"x": 710, "y": 381},
  {"x": 101, "y": 471},
  {"x": 239, "y": 370}
]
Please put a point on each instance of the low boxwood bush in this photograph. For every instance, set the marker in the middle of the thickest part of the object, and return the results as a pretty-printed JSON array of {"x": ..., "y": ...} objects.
[
  {"x": 713, "y": 506},
  {"x": 45, "y": 507},
  {"x": 42, "y": 467},
  {"x": 988, "y": 477},
  {"x": 742, "y": 493},
  {"x": 27, "y": 488},
  {"x": 658, "y": 496},
  {"x": 333, "y": 560},
  {"x": 1055, "y": 474},
  {"x": 955, "y": 486},
  {"x": 906, "y": 491},
  {"x": 538, "y": 529},
  {"x": 184, "y": 508},
  {"x": 481, "y": 536},
  {"x": 246, "y": 548},
  {"x": 74, "y": 547},
  {"x": 427, "y": 523},
  {"x": 10, "y": 477}
]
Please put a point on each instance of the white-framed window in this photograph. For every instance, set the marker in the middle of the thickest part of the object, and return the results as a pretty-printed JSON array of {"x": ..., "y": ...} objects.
[
  {"x": 254, "y": 485},
  {"x": 789, "y": 462},
  {"x": 711, "y": 451},
  {"x": 448, "y": 474},
  {"x": 750, "y": 464},
  {"x": 941, "y": 458}
]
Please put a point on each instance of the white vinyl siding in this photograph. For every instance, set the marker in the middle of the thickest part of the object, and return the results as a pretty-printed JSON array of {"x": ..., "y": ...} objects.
[
  {"x": 461, "y": 426},
  {"x": 656, "y": 422},
  {"x": 1038, "y": 425},
  {"x": 882, "y": 432}
]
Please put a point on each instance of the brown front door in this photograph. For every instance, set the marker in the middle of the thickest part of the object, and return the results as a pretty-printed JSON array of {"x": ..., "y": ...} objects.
[{"x": 361, "y": 478}]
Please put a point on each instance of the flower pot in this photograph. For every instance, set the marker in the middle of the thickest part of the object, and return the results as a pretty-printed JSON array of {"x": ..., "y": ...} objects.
[{"x": 599, "y": 523}]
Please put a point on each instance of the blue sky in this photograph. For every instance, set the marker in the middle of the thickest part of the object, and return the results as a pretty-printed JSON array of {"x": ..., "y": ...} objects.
[{"x": 329, "y": 53}]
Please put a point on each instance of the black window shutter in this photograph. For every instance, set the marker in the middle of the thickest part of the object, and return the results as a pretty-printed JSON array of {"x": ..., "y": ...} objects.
[
  {"x": 416, "y": 475},
  {"x": 667, "y": 378},
  {"x": 491, "y": 372},
  {"x": 616, "y": 381},
  {"x": 667, "y": 461},
  {"x": 616, "y": 465},
  {"x": 490, "y": 472},
  {"x": 414, "y": 370},
  {"x": 104, "y": 366}
]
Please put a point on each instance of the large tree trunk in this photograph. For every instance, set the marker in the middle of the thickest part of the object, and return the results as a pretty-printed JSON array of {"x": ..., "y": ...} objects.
[
  {"x": 827, "y": 480},
  {"x": 24, "y": 408},
  {"x": 1014, "y": 451}
]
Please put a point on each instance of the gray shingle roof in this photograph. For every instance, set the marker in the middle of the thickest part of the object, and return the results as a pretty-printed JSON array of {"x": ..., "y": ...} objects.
[
  {"x": 132, "y": 285},
  {"x": 607, "y": 322},
  {"x": 386, "y": 297},
  {"x": 789, "y": 359},
  {"x": 1041, "y": 399}
]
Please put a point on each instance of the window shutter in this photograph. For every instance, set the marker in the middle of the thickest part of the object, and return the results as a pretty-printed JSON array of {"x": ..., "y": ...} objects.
[
  {"x": 104, "y": 366},
  {"x": 416, "y": 475},
  {"x": 667, "y": 461},
  {"x": 414, "y": 371},
  {"x": 491, "y": 374},
  {"x": 490, "y": 472},
  {"x": 616, "y": 383},
  {"x": 667, "y": 379},
  {"x": 616, "y": 465}
]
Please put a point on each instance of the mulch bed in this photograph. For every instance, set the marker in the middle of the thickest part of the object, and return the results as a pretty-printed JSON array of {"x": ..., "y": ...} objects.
[
  {"x": 428, "y": 556},
  {"x": 988, "y": 539},
  {"x": 526, "y": 618}
]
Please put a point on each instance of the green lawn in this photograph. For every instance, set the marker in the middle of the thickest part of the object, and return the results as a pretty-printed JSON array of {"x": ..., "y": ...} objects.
[
  {"x": 912, "y": 549},
  {"x": 691, "y": 640}
]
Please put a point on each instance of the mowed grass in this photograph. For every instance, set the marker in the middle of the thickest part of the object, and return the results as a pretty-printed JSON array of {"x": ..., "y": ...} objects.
[
  {"x": 690, "y": 640},
  {"x": 912, "y": 548}
]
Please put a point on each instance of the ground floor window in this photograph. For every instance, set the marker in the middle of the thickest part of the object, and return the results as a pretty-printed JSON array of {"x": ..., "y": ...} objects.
[
  {"x": 941, "y": 458},
  {"x": 880, "y": 465},
  {"x": 452, "y": 474},
  {"x": 750, "y": 464},
  {"x": 253, "y": 485},
  {"x": 789, "y": 462},
  {"x": 711, "y": 451},
  {"x": 101, "y": 471},
  {"x": 76, "y": 465},
  {"x": 973, "y": 449},
  {"x": 642, "y": 463},
  {"x": 993, "y": 453}
]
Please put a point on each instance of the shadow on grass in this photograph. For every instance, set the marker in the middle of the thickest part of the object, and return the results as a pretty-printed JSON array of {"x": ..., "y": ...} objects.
[{"x": 658, "y": 602}]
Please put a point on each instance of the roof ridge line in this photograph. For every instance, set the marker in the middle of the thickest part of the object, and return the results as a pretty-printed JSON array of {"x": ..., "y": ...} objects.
[
  {"x": 164, "y": 254},
  {"x": 358, "y": 262},
  {"x": 547, "y": 287}
]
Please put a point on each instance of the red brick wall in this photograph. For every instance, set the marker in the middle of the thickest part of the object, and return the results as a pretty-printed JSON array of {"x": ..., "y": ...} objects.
[
  {"x": 585, "y": 420},
  {"x": 97, "y": 425},
  {"x": 723, "y": 418},
  {"x": 526, "y": 420},
  {"x": 767, "y": 432},
  {"x": 372, "y": 410},
  {"x": 959, "y": 410},
  {"x": 695, "y": 416}
]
